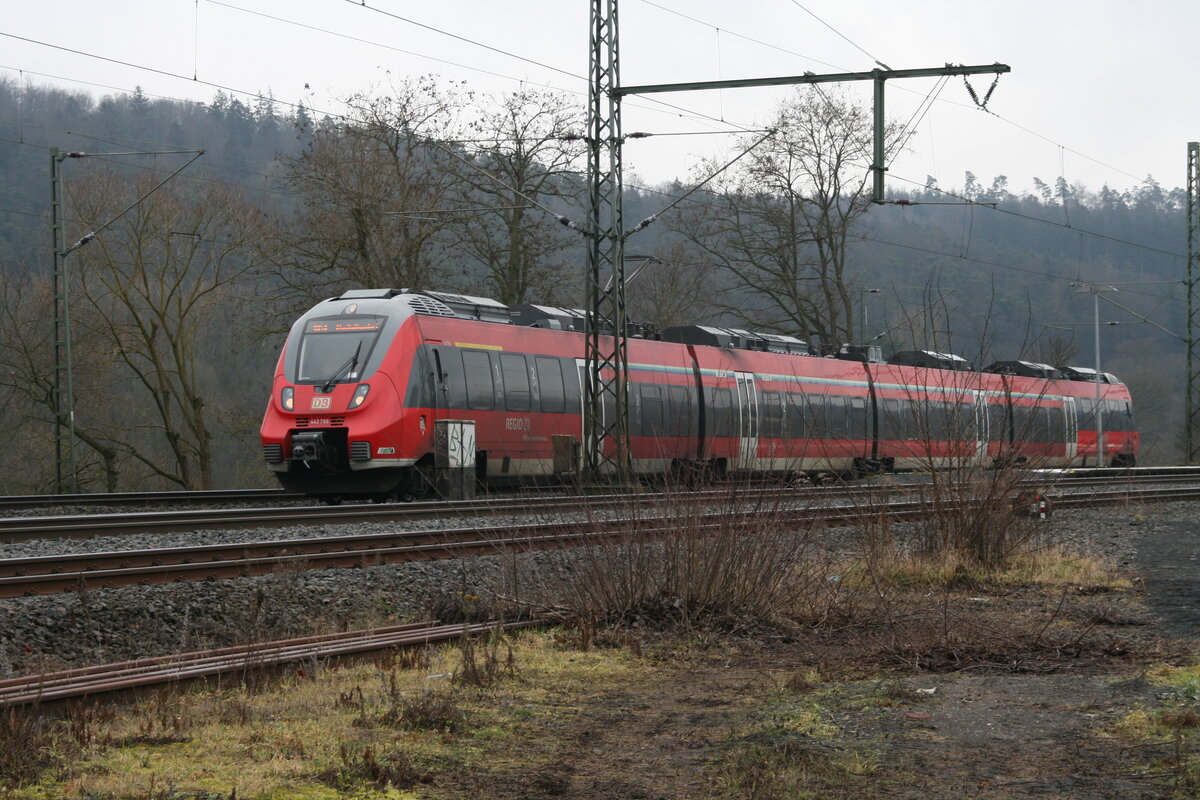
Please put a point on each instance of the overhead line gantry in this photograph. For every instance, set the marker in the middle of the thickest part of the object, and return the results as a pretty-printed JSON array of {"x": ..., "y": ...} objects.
[{"x": 606, "y": 383}]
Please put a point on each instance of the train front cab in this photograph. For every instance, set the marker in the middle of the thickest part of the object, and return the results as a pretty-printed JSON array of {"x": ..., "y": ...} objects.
[{"x": 335, "y": 426}]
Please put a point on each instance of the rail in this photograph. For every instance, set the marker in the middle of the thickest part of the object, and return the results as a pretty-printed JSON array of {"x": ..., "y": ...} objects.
[
  {"x": 72, "y": 572},
  {"x": 84, "y": 526},
  {"x": 125, "y": 676}
]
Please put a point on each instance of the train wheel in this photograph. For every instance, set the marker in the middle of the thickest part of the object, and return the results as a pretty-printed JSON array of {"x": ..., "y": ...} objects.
[
  {"x": 331, "y": 499},
  {"x": 415, "y": 486}
]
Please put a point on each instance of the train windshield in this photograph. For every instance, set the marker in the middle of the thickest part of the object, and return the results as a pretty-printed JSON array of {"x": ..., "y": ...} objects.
[{"x": 335, "y": 349}]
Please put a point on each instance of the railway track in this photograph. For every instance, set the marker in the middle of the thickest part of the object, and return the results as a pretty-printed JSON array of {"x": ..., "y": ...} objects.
[
  {"x": 126, "y": 676},
  {"x": 71, "y": 572},
  {"x": 234, "y": 496},
  {"x": 129, "y": 676},
  {"x": 17, "y": 529},
  {"x": 23, "y": 501}
]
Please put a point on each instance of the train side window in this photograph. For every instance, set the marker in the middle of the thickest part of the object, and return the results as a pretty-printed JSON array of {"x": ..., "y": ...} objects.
[
  {"x": 817, "y": 426},
  {"x": 902, "y": 421},
  {"x": 837, "y": 416},
  {"x": 1037, "y": 424},
  {"x": 481, "y": 389},
  {"x": 722, "y": 406},
  {"x": 679, "y": 421},
  {"x": 857, "y": 419},
  {"x": 998, "y": 422},
  {"x": 455, "y": 382},
  {"x": 1057, "y": 424},
  {"x": 908, "y": 418},
  {"x": 969, "y": 422},
  {"x": 793, "y": 415},
  {"x": 651, "y": 410},
  {"x": 772, "y": 415},
  {"x": 1118, "y": 411},
  {"x": 550, "y": 383},
  {"x": 932, "y": 422},
  {"x": 1017, "y": 427},
  {"x": 889, "y": 418},
  {"x": 1087, "y": 414},
  {"x": 516, "y": 381}
]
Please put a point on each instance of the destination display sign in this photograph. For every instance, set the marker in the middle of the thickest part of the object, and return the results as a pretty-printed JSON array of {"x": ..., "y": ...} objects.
[{"x": 356, "y": 325}]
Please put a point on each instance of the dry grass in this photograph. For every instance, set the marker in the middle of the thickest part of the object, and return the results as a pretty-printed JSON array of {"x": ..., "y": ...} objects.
[
  {"x": 361, "y": 731},
  {"x": 1167, "y": 735},
  {"x": 729, "y": 563},
  {"x": 509, "y": 706}
]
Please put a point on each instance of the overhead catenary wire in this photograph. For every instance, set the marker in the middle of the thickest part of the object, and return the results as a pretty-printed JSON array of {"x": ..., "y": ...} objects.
[
  {"x": 92, "y": 235},
  {"x": 854, "y": 44},
  {"x": 525, "y": 80},
  {"x": 900, "y": 87},
  {"x": 285, "y": 103}
]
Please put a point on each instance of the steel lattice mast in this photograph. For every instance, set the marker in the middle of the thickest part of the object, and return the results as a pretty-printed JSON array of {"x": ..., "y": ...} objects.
[
  {"x": 1192, "y": 413},
  {"x": 606, "y": 382},
  {"x": 65, "y": 472},
  {"x": 606, "y": 402}
]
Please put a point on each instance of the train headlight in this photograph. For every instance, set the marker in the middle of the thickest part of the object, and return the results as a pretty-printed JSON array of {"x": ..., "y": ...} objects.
[
  {"x": 288, "y": 398},
  {"x": 360, "y": 394}
]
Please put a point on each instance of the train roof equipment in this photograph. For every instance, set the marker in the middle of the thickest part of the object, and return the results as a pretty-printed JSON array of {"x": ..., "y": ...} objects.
[
  {"x": 866, "y": 353},
  {"x": 1088, "y": 375},
  {"x": 930, "y": 359},
  {"x": 552, "y": 318},
  {"x": 734, "y": 339},
  {"x": 1024, "y": 369},
  {"x": 438, "y": 304}
]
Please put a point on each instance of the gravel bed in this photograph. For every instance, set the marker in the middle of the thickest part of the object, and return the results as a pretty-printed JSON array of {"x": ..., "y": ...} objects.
[
  {"x": 146, "y": 541},
  {"x": 60, "y": 630},
  {"x": 135, "y": 508}
]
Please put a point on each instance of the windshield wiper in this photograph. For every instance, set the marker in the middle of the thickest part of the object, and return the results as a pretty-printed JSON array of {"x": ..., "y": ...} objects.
[{"x": 347, "y": 366}]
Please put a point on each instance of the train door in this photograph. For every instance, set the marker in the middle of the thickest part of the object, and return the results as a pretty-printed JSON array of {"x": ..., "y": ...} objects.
[
  {"x": 980, "y": 427},
  {"x": 747, "y": 421},
  {"x": 1072, "y": 427},
  {"x": 581, "y": 365}
]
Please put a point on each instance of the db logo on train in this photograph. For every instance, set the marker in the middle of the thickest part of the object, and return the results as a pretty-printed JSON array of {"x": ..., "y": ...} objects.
[{"x": 321, "y": 402}]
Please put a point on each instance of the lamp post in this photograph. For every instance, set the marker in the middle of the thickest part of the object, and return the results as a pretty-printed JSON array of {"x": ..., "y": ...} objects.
[
  {"x": 1095, "y": 290},
  {"x": 64, "y": 391}
]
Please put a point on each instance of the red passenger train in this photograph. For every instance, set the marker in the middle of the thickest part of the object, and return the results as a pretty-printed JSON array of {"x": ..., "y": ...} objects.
[{"x": 363, "y": 377}]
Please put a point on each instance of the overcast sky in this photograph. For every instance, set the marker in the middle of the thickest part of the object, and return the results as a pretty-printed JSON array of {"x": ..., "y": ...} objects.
[{"x": 1100, "y": 91}]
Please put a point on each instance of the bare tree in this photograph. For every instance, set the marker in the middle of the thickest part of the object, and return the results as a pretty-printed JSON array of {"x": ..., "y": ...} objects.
[
  {"x": 1059, "y": 350},
  {"x": 372, "y": 192},
  {"x": 530, "y": 142},
  {"x": 778, "y": 224},
  {"x": 154, "y": 288},
  {"x": 27, "y": 389},
  {"x": 674, "y": 286}
]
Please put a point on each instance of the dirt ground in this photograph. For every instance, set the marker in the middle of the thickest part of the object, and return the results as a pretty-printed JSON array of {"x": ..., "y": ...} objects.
[
  {"x": 1038, "y": 725},
  {"x": 986, "y": 736}
]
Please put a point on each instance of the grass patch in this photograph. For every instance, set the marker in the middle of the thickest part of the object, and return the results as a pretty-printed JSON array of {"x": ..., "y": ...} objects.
[
  {"x": 668, "y": 640},
  {"x": 1167, "y": 735},
  {"x": 1058, "y": 566},
  {"x": 369, "y": 731}
]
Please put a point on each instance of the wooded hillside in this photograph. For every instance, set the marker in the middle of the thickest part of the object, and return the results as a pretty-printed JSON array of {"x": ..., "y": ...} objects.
[{"x": 180, "y": 303}]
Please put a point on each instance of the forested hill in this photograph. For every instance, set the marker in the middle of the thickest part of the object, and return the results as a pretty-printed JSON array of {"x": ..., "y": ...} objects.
[
  {"x": 283, "y": 209},
  {"x": 242, "y": 143},
  {"x": 1009, "y": 279}
]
